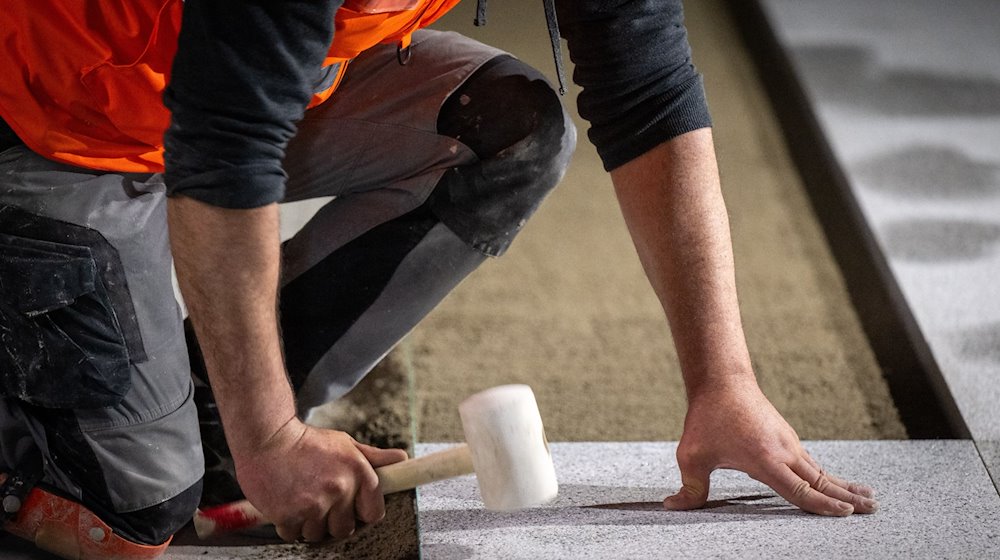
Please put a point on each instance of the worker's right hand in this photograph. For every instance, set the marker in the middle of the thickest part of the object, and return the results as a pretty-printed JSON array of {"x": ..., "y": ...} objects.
[{"x": 312, "y": 482}]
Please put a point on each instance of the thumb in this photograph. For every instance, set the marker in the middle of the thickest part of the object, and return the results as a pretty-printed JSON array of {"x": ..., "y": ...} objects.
[
  {"x": 381, "y": 457},
  {"x": 694, "y": 492}
]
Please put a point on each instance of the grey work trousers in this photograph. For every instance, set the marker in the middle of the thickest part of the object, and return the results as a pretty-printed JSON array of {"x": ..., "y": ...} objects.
[{"x": 374, "y": 146}]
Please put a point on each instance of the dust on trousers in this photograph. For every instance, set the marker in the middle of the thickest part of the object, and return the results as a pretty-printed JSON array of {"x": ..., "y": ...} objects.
[{"x": 97, "y": 403}]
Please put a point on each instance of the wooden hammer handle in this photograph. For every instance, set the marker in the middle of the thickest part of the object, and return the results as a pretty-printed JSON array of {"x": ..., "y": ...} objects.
[{"x": 404, "y": 475}]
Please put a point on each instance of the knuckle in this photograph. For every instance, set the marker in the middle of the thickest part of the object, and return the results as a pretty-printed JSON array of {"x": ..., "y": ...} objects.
[
  {"x": 822, "y": 483},
  {"x": 800, "y": 489},
  {"x": 693, "y": 489},
  {"x": 306, "y": 501},
  {"x": 299, "y": 511},
  {"x": 339, "y": 486},
  {"x": 688, "y": 456},
  {"x": 368, "y": 481},
  {"x": 316, "y": 511}
]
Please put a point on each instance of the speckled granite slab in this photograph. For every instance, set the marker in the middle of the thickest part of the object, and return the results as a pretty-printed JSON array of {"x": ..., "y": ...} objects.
[
  {"x": 937, "y": 502},
  {"x": 908, "y": 96}
]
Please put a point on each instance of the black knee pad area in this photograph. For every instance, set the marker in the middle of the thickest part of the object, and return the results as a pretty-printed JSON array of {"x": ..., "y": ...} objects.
[
  {"x": 512, "y": 119},
  {"x": 499, "y": 106},
  {"x": 154, "y": 525}
]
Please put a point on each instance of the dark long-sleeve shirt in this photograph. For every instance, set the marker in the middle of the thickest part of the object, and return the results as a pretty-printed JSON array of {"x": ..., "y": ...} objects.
[
  {"x": 245, "y": 71},
  {"x": 633, "y": 61}
]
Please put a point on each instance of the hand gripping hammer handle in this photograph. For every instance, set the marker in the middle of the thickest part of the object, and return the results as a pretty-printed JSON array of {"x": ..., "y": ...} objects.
[
  {"x": 397, "y": 477},
  {"x": 506, "y": 448}
]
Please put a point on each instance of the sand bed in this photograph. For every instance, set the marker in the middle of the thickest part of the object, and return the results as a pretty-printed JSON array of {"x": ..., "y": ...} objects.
[{"x": 569, "y": 311}]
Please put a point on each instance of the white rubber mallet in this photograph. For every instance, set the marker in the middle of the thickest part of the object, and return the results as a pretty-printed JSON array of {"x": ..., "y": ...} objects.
[{"x": 505, "y": 447}]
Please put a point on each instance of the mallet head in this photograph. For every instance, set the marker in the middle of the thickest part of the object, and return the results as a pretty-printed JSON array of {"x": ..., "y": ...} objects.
[{"x": 503, "y": 430}]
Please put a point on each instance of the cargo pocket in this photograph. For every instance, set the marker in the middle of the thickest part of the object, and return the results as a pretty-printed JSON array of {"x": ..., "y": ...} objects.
[{"x": 61, "y": 341}]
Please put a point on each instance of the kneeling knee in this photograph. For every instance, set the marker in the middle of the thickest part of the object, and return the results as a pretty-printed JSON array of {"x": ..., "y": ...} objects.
[
  {"x": 41, "y": 518},
  {"x": 507, "y": 112},
  {"x": 156, "y": 524},
  {"x": 512, "y": 119}
]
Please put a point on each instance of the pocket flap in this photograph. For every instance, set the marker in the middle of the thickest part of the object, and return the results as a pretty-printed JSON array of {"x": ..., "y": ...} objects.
[{"x": 39, "y": 276}]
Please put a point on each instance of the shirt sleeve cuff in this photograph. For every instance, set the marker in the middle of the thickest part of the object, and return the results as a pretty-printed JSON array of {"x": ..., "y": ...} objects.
[
  {"x": 240, "y": 187},
  {"x": 678, "y": 111}
]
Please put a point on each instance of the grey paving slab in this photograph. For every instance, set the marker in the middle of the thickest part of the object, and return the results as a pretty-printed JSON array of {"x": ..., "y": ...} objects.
[
  {"x": 937, "y": 501},
  {"x": 908, "y": 95},
  {"x": 990, "y": 451}
]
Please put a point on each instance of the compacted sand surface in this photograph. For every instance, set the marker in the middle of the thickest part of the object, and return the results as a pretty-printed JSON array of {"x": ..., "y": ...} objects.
[{"x": 569, "y": 311}]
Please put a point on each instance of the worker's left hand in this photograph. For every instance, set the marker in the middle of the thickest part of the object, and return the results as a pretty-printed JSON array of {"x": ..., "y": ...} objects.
[{"x": 736, "y": 427}]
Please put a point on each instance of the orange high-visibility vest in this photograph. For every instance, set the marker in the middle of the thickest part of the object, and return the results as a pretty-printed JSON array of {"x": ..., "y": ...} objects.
[{"x": 81, "y": 81}]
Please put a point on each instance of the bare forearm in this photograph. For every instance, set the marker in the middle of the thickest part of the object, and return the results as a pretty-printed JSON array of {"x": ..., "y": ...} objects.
[
  {"x": 673, "y": 206},
  {"x": 227, "y": 266},
  {"x": 674, "y": 209}
]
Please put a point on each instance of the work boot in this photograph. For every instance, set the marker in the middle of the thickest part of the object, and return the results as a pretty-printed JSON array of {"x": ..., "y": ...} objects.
[
  {"x": 64, "y": 527},
  {"x": 220, "y": 473}
]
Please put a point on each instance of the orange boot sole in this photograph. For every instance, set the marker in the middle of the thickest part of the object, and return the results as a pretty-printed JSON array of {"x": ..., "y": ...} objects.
[{"x": 69, "y": 530}]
